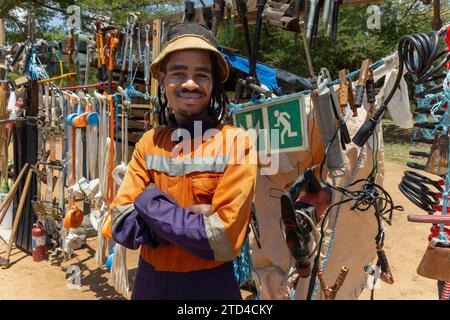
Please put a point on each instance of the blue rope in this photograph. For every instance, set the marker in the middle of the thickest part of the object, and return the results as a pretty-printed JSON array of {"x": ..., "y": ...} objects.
[
  {"x": 441, "y": 99},
  {"x": 292, "y": 294},
  {"x": 327, "y": 255},
  {"x": 422, "y": 104},
  {"x": 131, "y": 92},
  {"x": 356, "y": 73},
  {"x": 243, "y": 267},
  {"x": 445, "y": 122},
  {"x": 35, "y": 69}
]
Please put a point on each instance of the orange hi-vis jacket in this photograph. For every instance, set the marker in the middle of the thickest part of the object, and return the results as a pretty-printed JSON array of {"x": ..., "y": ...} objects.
[{"x": 218, "y": 167}]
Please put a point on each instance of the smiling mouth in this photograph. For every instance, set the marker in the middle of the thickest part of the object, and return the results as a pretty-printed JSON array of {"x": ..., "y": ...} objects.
[{"x": 190, "y": 96}]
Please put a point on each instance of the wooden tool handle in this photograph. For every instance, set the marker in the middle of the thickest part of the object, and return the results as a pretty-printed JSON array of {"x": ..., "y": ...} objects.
[
  {"x": 429, "y": 218},
  {"x": 107, "y": 48},
  {"x": 343, "y": 88},
  {"x": 112, "y": 54},
  {"x": 98, "y": 37},
  {"x": 340, "y": 279},
  {"x": 437, "y": 21},
  {"x": 364, "y": 72},
  {"x": 23, "y": 196},
  {"x": 13, "y": 190}
]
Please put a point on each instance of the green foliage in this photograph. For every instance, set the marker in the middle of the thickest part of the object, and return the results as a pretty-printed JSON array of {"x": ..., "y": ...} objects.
[
  {"x": 284, "y": 49},
  {"x": 279, "y": 48},
  {"x": 109, "y": 11}
]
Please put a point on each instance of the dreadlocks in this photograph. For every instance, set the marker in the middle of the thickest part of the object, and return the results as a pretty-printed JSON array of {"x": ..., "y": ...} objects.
[{"x": 219, "y": 100}]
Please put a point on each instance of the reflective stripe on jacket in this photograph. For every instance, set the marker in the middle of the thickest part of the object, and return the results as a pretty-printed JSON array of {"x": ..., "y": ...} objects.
[{"x": 220, "y": 171}]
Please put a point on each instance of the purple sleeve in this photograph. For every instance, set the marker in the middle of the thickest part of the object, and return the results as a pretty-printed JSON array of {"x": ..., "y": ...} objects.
[
  {"x": 174, "y": 223},
  {"x": 131, "y": 232}
]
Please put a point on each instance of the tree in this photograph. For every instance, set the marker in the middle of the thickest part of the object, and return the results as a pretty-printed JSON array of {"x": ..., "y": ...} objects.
[
  {"x": 285, "y": 50},
  {"x": 110, "y": 11}
]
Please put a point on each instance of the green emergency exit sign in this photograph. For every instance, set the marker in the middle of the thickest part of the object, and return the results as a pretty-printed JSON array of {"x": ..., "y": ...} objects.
[{"x": 279, "y": 123}]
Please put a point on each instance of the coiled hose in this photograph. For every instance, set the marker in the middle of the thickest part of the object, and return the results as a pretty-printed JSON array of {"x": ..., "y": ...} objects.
[{"x": 417, "y": 52}]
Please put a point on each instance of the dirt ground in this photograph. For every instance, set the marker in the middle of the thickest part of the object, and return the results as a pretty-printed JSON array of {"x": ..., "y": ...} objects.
[{"x": 404, "y": 245}]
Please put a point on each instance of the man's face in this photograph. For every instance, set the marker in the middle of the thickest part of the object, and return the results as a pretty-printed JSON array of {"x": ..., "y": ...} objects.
[{"x": 188, "y": 83}]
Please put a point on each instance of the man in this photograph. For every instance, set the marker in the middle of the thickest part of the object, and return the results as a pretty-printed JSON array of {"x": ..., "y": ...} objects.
[{"x": 187, "y": 208}]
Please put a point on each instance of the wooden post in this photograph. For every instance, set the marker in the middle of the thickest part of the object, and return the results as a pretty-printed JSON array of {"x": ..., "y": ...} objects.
[
  {"x": 2, "y": 45},
  {"x": 156, "y": 47}
]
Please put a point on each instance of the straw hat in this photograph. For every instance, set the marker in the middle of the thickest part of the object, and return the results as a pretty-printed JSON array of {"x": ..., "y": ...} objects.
[{"x": 189, "y": 35}]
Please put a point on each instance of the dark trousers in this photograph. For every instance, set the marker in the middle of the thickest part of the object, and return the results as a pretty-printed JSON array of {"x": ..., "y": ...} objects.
[{"x": 211, "y": 284}]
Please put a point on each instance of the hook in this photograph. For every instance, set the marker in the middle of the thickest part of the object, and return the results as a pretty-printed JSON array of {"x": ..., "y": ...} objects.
[{"x": 135, "y": 19}]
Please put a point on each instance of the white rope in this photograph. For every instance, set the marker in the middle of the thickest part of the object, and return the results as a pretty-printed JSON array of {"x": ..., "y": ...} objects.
[
  {"x": 103, "y": 244},
  {"x": 120, "y": 170},
  {"x": 118, "y": 277},
  {"x": 100, "y": 251}
]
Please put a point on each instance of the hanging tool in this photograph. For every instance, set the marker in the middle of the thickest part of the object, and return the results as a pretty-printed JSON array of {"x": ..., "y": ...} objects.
[
  {"x": 112, "y": 55},
  {"x": 189, "y": 11},
  {"x": 251, "y": 80},
  {"x": 334, "y": 28},
  {"x": 74, "y": 216},
  {"x": 437, "y": 21},
  {"x": 327, "y": 126},
  {"x": 147, "y": 61},
  {"x": 325, "y": 77},
  {"x": 70, "y": 48},
  {"x": 302, "y": 206},
  {"x": 228, "y": 20},
  {"x": 370, "y": 88},
  {"x": 418, "y": 53},
  {"x": 12, "y": 62},
  {"x": 242, "y": 13},
  {"x": 131, "y": 56},
  {"x": 311, "y": 13},
  {"x": 139, "y": 55},
  {"x": 100, "y": 52},
  {"x": 330, "y": 292},
  {"x": 327, "y": 8},
  {"x": 361, "y": 86},
  {"x": 120, "y": 48},
  {"x": 346, "y": 92},
  {"x": 120, "y": 170},
  {"x": 125, "y": 49},
  {"x": 217, "y": 15},
  {"x": 107, "y": 52},
  {"x": 260, "y": 8},
  {"x": 315, "y": 25},
  {"x": 382, "y": 262}
]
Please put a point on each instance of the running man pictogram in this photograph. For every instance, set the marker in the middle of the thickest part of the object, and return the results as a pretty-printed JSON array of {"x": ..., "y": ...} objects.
[{"x": 283, "y": 118}]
